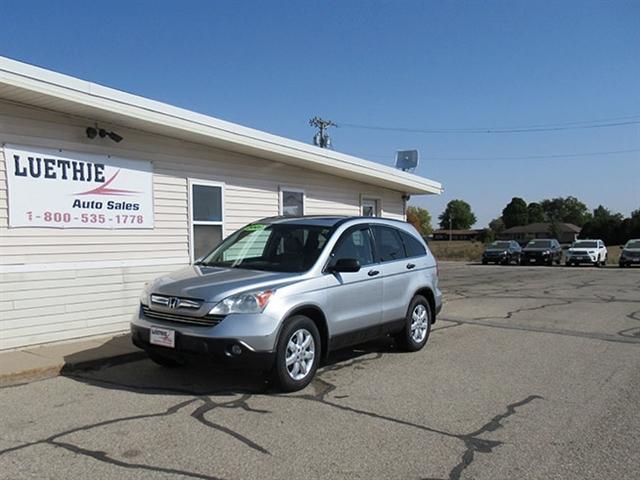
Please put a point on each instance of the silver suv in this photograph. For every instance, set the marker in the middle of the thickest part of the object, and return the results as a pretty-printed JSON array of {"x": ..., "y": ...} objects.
[{"x": 280, "y": 293}]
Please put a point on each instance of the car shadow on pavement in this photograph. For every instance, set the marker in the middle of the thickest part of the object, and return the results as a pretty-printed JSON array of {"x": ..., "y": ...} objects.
[{"x": 131, "y": 370}]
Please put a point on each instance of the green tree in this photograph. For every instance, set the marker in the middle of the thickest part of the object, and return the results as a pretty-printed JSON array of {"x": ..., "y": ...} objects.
[
  {"x": 486, "y": 235},
  {"x": 554, "y": 229},
  {"x": 567, "y": 210},
  {"x": 460, "y": 214},
  {"x": 496, "y": 225},
  {"x": 515, "y": 213},
  {"x": 535, "y": 213},
  {"x": 420, "y": 218},
  {"x": 605, "y": 225}
]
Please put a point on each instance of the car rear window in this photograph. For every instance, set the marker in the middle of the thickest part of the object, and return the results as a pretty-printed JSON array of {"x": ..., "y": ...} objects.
[{"x": 412, "y": 246}]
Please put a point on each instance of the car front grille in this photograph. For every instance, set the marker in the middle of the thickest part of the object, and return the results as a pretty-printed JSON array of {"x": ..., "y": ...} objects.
[{"x": 208, "y": 320}]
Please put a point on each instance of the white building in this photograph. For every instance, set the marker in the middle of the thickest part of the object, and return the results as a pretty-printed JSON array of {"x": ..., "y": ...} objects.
[{"x": 84, "y": 222}]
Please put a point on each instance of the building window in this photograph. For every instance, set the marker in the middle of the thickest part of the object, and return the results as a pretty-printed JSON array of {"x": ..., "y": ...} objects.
[
  {"x": 206, "y": 206},
  {"x": 291, "y": 202},
  {"x": 370, "y": 207}
]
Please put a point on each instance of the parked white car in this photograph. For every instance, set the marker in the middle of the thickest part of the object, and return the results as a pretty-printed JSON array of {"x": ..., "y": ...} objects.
[{"x": 587, "y": 251}]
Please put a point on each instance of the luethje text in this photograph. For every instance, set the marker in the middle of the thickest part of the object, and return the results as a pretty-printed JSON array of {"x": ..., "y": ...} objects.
[{"x": 52, "y": 168}]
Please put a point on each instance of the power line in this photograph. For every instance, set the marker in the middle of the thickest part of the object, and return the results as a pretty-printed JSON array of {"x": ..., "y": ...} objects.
[
  {"x": 550, "y": 127},
  {"x": 522, "y": 157}
]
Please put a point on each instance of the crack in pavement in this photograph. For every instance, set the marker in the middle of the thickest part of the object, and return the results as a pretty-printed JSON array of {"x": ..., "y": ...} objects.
[
  {"x": 322, "y": 388},
  {"x": 633, "y": 332},
  {"x": 614, "y": 338},
  {"x": 511, "y": 313},
  {"x": 103, "y": 456}
]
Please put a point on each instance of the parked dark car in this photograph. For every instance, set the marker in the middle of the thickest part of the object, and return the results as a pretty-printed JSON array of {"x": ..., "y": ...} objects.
[
  {"x": 630, "y": 253},
  {"x": 542, "y": 251},
  {"x": 502, "y": 252}
]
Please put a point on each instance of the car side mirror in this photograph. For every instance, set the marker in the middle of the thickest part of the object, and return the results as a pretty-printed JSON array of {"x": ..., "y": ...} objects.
[{"x": 346, "y": 265}]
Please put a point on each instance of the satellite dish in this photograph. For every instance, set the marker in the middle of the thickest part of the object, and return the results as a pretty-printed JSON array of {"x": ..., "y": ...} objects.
[{"x": 407, "y": 160}]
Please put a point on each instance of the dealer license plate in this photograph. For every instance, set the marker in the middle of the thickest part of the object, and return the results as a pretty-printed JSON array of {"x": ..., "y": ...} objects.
[
  {"x": 162, "y": 337},
  {"x": 635, "y": 259}
]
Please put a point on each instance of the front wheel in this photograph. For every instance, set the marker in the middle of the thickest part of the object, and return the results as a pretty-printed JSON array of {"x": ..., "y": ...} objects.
[
  {"x": 417, "y": 327},
  {"x": 297, "y": 354}
]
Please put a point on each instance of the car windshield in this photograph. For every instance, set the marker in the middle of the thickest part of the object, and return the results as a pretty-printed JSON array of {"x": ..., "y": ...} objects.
[
  {"x": 270, "y": 247},
  {"x": 588, "y": 244},
  {"x": 498, "y": 246},
  {"x": 539, "y": 244},
  {"x": 633, "y": 244}
]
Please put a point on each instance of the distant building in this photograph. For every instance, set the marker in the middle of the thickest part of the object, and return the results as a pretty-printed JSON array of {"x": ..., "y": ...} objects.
[
  {"x": 443, "y": 234},
  {"x": 567, "y": 232}
]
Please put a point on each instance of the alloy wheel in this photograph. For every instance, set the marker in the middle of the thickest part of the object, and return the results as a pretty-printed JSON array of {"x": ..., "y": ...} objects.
[
  {"x": 300, "y": 354},
  {"x": 419, "y": 323}
]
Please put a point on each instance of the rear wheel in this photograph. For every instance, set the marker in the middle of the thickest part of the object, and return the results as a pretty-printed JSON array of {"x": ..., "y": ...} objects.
[
  {"x": 298, "y": 354},
  {"x": 417, "y": 327}
]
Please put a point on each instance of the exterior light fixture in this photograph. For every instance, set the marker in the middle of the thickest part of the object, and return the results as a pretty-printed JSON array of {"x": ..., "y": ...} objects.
[{"x": 93, "y": 132}]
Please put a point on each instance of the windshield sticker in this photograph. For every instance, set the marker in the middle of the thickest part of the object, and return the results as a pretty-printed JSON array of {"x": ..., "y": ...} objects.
[{"x": 254, "y": 227}]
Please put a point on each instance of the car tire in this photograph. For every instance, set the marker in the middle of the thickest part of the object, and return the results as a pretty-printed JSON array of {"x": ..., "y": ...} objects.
[
  {"x": 484, "y": 262},
  {"x": 298, "y": 343},
  {"x": 164, "y": 361},
  {"x": 417, "y": 328}
]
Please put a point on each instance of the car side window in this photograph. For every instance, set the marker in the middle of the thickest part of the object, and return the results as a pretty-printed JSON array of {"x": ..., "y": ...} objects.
[
  {"x": 388, "y": 243},
  {"x": 411, "y": 244},
  {"x": 356, "y": 243}
]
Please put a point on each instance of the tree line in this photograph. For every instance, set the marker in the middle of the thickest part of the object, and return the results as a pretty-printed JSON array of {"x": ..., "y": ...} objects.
[{"x": 613, "y": 228}]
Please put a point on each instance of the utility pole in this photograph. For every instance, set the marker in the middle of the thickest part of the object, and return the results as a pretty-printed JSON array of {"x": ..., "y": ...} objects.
[{"x": 321, "y": 138}]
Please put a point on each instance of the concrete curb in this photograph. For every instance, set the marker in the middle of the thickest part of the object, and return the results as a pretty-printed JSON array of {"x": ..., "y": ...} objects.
[{"x": 39, "y": 363}]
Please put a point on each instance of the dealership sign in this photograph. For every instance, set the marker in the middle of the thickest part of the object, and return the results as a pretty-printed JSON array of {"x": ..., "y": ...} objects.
[{"x": 62, "y": 189}]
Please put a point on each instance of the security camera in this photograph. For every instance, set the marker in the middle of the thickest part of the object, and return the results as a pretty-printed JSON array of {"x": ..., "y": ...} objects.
[{"x": 91, "y": 132}]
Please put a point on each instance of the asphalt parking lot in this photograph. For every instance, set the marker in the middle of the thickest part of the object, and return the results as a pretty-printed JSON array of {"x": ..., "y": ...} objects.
[{"x": 531, "y": 372}]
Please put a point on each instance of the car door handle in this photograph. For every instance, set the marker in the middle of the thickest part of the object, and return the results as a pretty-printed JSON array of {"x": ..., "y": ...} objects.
[
  {"x": 411, "y": 265},
  {"x": 373, "y": 273}
]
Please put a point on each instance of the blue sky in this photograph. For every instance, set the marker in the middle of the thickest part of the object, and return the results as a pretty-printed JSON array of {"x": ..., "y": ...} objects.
[{"x": 415, "y": 64}]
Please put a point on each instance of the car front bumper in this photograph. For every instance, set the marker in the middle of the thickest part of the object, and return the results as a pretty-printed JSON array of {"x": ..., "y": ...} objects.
[
  {"x": 535, "y": 258},
  {"x": 214, "y": 350},
  {"x": 255, "y": 333},
  {"x": 634, "y": 260},
  {"x": 498, "y": 258},
  {"x": 577, "y": 259}
]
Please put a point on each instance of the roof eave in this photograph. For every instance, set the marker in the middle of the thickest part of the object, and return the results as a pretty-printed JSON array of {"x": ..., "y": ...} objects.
[{"x": 184, "y": 124}]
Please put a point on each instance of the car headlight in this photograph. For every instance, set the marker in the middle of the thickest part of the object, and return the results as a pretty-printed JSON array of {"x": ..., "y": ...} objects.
[
  {"x": 144, "y": 296},
  {"x": 546, "y": 252},
  {"x": 253, "y": 302}
]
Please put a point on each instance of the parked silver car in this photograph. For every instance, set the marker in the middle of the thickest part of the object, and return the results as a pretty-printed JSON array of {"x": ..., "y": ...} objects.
[{"x": 279, "y": 294}]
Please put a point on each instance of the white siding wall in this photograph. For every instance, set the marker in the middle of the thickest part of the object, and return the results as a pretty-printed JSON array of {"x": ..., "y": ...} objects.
[{"x": 60, "y": 284}]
